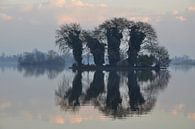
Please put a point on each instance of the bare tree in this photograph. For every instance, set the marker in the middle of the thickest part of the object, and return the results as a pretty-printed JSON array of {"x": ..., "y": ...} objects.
[
  {"x": 113, "y": 30},
  {"x": 68, "y": 37},
  {"x": 96, "y": 48}
]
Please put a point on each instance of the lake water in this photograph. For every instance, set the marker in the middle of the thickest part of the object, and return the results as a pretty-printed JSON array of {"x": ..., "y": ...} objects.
[{"x": 57, "y": 98}]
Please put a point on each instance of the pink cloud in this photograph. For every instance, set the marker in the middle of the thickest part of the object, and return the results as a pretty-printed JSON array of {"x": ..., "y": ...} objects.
[
  {"x": 57, "y": 3},
  {"x": 27, "y": 8},
  {"x": 81, "y": 4},
  {"x": 140, "y": 18},
  {"x": 71, "y": 4},
  {"x": 191, "y": 8},
  {"x": 191, "y": 116},
  {"x": 65, "y": 19},
  {"x": 28, "y": 115},
  {"x": 5, "y": 17},
  {"x": 103, "y": 5},
  {"x": 175, "y": 12},
  {"x": 181, "y": 18},
  {"x": 4, "y": 104}
]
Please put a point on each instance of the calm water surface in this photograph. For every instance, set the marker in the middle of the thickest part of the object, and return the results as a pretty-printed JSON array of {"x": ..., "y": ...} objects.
[{"x": 57, "y": 98}]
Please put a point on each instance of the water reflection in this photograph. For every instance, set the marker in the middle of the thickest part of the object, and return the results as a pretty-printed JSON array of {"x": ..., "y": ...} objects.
[
  {"x": 7, "y": 66},
  {"x": 36, "y": 71},
  {"x": 184, "y": 68},
  {"x": 115, "y": 94}
]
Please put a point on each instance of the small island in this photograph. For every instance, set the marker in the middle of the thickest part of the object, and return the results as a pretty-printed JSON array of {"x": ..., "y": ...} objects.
[{"x": 115, "y": 44}]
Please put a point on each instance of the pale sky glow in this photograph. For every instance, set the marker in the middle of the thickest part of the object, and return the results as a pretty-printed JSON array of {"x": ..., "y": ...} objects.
[{"x": 25, "y": 25}]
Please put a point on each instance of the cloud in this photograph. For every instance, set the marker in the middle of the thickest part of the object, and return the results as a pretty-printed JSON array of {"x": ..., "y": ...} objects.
[
  {"x": 175, "y": 12},
  {"x": 62, "y": 19},
  {"x": 4, "y": 104},
  {"x": 69, "y": 4},
  {"x": 140, "y": 18},
  {"x": 103, "y": 5},
  {"x": 57, "y": 3},
  {"x": 191, "y": 8},
  {"x": 27, "y": 8},
  {"x": 191, "y": 116},
  {"x": 5, "y": 17},
  {"x": 181, "y": 18},
  {"x": 81, "y": 4},
  {"x": 27, "y": 114}
]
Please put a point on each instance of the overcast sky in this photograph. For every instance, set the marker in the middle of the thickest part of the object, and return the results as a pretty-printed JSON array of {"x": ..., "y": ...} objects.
[{"x": 29, "y": 24}]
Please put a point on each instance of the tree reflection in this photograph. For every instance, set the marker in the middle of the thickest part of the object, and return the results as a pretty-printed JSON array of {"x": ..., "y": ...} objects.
[
  {"x": 96, "y": 87},
  {"x": 74, "y": 93},
  {"x": 52, "y": 71},
  {"x": 113, "y": 100},
  {"x": 70, "y": 96},
  {"x": 135, "y": 95},
  {"x": 115, "y": 94}
]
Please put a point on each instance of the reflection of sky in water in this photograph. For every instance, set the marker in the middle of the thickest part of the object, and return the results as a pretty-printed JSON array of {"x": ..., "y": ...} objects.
[{"x": 31, "y": 103}]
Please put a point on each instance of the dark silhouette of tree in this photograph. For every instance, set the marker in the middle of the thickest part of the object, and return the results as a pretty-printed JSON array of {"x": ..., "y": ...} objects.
[
  {"x": 113, "y": 30},
  {"x": 118, "y": 38},
  {"x": 148, "y": 30},
  {"x": 145, "y": 60},
  {"x": 68, "y": 37},
  {"x": 96, "y": 48},
  {"x": 136, "y": 39},
  {"x": 141, "y": 34},
  {"x": 160, "y": 53}
]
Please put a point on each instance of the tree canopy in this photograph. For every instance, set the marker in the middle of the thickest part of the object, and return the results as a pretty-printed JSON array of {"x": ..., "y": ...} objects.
[
  {"x": 96, "y": 48},
  {"x": 112, "y": 39},
  {"x": 68, "y": 37}
]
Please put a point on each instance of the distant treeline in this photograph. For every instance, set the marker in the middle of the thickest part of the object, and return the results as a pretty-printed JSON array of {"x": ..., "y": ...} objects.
[
  {"x": 40, "y": 58},
  {"x": 184, "y": 60},
  {"x": 8, "y": 58}
]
